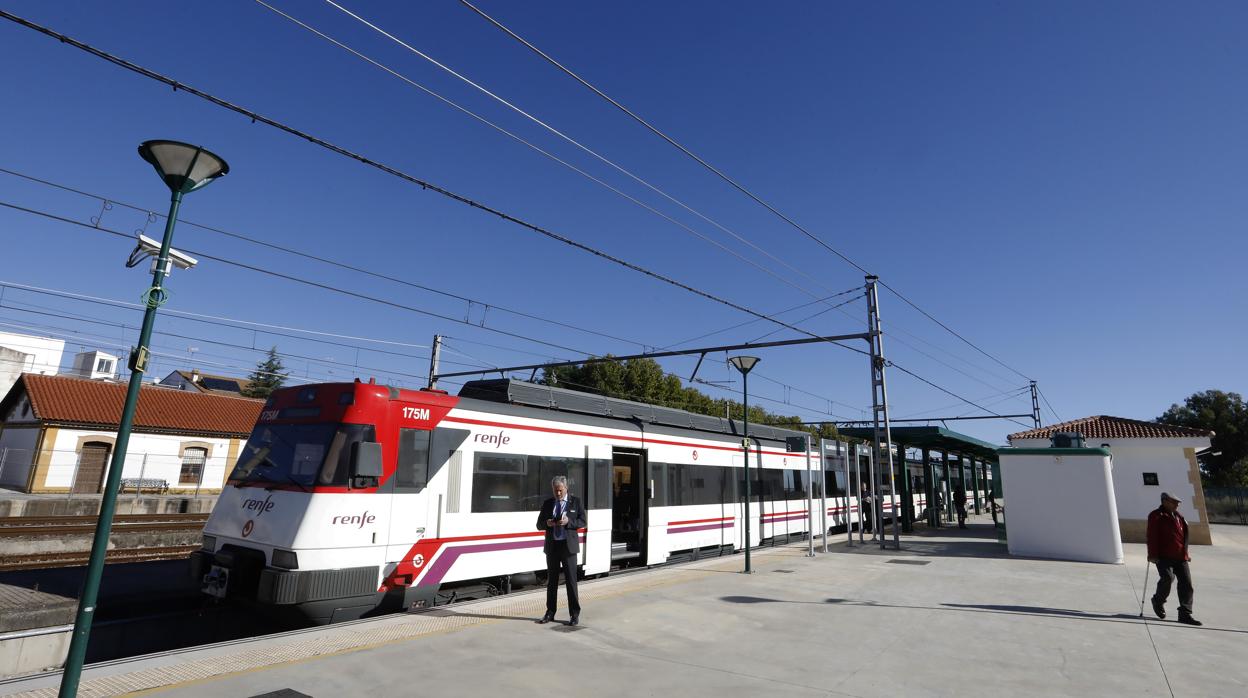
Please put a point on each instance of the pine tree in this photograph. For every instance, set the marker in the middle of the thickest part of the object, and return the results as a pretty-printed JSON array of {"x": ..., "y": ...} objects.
[{"x": 267, "y": 377}]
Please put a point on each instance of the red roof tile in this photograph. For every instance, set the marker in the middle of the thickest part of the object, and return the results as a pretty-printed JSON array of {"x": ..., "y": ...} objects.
[
  {"x": 1105, "y": 427},
  {"x": 78, "y": 401}
]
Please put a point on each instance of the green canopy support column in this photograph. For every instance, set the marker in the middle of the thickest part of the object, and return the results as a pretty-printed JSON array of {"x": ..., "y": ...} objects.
[
  {"x": 927, "y": 486},
  {"x": 962, "y": 478},
  {"x": 907, "y": 490},
  {"x": 975, "y": 480},
  {"x": 946, "y": 495}
]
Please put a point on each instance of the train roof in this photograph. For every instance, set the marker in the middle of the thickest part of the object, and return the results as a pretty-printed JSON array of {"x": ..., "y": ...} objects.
[{"x": 516, "y": 392}]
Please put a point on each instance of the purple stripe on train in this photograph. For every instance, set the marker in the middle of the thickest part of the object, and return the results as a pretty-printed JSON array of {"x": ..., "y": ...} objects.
[
  {"x": 797, "y": 517},
  {"x": 704, "y": 527},
  {"x": 450, "y": 554}
]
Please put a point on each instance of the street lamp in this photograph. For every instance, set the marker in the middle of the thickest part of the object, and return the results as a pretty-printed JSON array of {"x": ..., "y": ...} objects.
[
  {"x": 744, "y": 364},
  {"x": 183, "y": 168}
]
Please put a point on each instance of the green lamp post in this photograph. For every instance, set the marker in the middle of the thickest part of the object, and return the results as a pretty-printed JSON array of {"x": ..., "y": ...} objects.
[
  {"x": 744, "y": 364},
  {"x": 183, "y": 168}
]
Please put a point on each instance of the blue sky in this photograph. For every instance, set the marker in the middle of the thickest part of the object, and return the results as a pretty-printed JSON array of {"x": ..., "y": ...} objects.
[{"x": 1062, "y": 183}]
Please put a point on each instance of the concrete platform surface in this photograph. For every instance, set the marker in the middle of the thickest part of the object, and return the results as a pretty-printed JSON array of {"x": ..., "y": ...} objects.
[{"x": 950, "y": 614}]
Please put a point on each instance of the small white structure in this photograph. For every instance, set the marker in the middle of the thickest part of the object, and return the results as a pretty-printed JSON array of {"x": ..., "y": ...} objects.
[
  {"x": 1149, "y": 458},
  {"x": 1059, "y": 504},
  {"x": 23, "y": 353},
  {"x": 58, "y": 434},
  {"x": 95, "y": 365}
]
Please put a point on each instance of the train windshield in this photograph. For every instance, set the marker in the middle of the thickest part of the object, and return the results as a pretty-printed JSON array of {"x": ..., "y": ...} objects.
[{"x": 299, "y": 454}]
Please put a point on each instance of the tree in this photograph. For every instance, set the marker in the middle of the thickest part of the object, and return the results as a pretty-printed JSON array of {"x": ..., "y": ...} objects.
[
  {"x": 644, "y": 380},
  {"x": 267, "y": 377},
  {"x": 1226, "y": 415}
]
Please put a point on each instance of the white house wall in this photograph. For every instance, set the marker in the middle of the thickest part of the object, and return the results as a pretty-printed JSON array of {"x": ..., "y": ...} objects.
[
  {"x": 148, "y": 455},
  {"x": 1169, "y": 459}
]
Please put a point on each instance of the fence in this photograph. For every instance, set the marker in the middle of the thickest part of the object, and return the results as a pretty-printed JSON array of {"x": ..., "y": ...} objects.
[
  {"x": 1227, "y": 504},
  {"x": 80, "y": 474}
]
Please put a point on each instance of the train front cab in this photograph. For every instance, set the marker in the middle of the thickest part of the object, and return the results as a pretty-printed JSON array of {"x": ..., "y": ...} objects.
[{"x": 303, "y": 527}]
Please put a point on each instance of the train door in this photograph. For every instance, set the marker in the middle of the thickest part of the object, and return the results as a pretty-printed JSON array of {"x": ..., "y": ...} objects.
[
  {"x": 630, "y": 495},
  {"x": 596, "y": 551}
]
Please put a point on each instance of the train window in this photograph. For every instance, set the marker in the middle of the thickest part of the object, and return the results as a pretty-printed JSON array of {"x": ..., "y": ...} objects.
[
  {"x": 707, "y": 484},
  {"x": 445, "y": 440},
  {"x": 514, "y": 482},
  {"x": 767, "y": 485},
  {"x": 794, "y": 484},
  {"x": 412, "y": 471},
  {"x": 834, "y": 475},
  {"x": 338, "y": 459},
  {"x": 671, "y": 475},
  {"x": 601, "y": 493},
  {"x": 498, "y": 482},
  {"x": 542, "y": 469}
]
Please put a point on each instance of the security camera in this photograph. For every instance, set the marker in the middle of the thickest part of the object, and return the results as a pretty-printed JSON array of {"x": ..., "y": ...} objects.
[{"x": 179, "y": 259}]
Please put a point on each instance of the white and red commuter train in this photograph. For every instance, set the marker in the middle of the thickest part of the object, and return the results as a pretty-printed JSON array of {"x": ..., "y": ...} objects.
[{"x": 355, "y": 499}]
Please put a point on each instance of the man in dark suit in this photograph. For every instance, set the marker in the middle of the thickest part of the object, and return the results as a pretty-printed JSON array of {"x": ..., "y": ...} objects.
[{"x": 562, "y": 516}]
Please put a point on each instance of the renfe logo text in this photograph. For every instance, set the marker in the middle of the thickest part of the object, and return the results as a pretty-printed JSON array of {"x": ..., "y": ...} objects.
[
  {"x": 499, "y": 440},
  {"x": 357, "y": 520},
  {"x": 259, "y": 505}
]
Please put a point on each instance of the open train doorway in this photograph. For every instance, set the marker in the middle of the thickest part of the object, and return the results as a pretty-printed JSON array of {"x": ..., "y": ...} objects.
[{"x": 628, "y": 507}]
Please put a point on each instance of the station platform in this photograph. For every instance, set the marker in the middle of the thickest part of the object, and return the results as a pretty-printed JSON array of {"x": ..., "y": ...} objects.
[{"x": 949, "y": 614}]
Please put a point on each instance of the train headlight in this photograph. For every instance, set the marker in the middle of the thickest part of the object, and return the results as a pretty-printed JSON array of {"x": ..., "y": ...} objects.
[
  {"x": 209, "y": 543},
  {"x": 285, "y": 559}
]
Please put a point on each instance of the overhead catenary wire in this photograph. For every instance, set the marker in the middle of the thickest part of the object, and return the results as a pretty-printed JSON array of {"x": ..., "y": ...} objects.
[
  {"x": 200, "y": 317},
  {"x": 168, "y": 355},
  {"x": 755, "y": 320},
  {"x": 424, "y": 184},
  {"x": 563, "y": 136},
  {"x": 729, "y": 180},
  {"x": 543, "y": 152},
  {"x": 232, "y": 323},
  {"x": 232, "y": 345},
  {"x": 1014, "y": 393},
  {"x": 394, "y": 304},
  {"x": 256, "y": 117},
  {"x": 298, "y": 280},
  {"x": 1049, "y": 405},
  {"x": 318, "y": 258}
]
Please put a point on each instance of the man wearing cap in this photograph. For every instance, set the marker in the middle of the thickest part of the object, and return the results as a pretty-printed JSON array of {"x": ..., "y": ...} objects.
[{"x": 1167, "y": 548}]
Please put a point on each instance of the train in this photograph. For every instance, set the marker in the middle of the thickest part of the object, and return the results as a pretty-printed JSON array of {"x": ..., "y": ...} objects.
[{"x": 351, "y": 500}]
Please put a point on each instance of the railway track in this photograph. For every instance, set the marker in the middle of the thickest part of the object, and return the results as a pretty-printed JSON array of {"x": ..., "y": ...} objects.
[
  {"x": 35, "y": 561},
  {"x": 36, "y": 526}
]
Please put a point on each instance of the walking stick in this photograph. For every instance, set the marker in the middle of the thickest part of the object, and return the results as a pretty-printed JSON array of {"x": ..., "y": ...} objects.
[{"x": 1144, "y": 592}]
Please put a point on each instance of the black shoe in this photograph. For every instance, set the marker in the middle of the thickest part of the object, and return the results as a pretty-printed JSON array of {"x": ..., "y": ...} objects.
[
  {"x": 546, "y": 619},
  {"x": 1187, "y": 619},
  {"x": 577, "y": 621},
  {"x": 1159, "y": 608}
]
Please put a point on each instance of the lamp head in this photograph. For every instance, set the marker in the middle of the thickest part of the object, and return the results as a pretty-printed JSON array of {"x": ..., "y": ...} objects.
[
  {"x": 743, "y": 363},
  {"x": 183, "y": 167}
]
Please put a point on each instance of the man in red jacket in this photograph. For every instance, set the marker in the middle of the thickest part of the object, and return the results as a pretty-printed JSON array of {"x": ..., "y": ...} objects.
[{"x": 1167, "y": 548}]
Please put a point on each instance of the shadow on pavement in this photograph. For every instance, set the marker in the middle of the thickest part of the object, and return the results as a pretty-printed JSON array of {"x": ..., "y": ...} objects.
[
  {"x": 448, "y": 613},
  {"x": 990, "y": 608}
]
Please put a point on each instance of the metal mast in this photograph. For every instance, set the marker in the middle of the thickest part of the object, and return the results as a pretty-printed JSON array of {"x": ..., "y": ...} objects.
[
  {"x": 1035, "y": 404},
  {"x": 883, "y": 441},
  {"x": 433, "y": 360}
]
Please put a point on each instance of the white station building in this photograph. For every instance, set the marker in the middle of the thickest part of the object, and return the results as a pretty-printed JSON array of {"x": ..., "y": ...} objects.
[{"x": 1148, "y": 459}]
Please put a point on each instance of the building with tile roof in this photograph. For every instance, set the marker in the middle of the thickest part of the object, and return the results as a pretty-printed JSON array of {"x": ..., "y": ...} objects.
[
  {"x": 58, "y": 433},
  {"x": 1148, "y": 458},
  {"x": 206, "y": 382}
]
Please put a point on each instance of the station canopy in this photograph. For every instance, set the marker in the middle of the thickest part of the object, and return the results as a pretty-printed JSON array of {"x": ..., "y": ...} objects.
[{"x": 933, "y": 438}]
